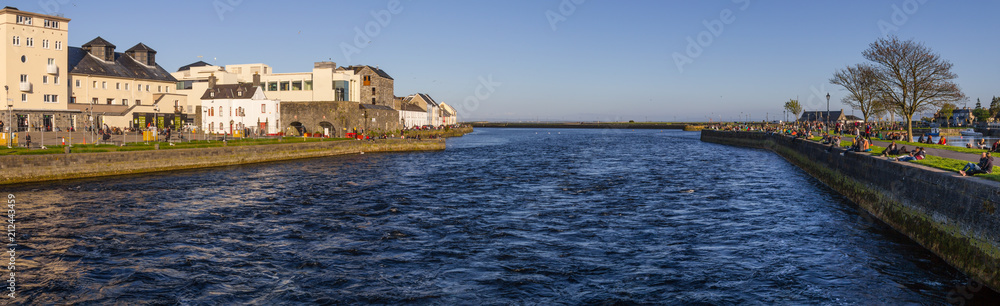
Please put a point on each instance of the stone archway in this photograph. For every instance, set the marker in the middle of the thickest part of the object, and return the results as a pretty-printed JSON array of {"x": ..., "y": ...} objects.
[
  {"x": 298, "y": 128},
  {"x": 328, "y": 129}
]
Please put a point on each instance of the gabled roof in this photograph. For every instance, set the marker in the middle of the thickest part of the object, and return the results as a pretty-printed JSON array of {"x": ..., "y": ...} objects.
[
  {"x": 412, "y": 108},
  {"x": 379, "y": 72},
  {"x": 141, "y": 47},
  {"x": 427, "y": 98},
  {"x": 373, "y": 106},
  {"x": 822, "y": 116},
  {"x": 192, "y": 65},
  {"x": 81, "y": 62},
  {"x": 230, "y": 91},
  {"x": 99, "y": 42}
]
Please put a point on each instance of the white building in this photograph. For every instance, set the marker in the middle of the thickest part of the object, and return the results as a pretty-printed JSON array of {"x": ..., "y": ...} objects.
[
  {"x": 449, "y": 116},
  {"x": 234, "y": 107},
  {"x": 411, "y": 116}
]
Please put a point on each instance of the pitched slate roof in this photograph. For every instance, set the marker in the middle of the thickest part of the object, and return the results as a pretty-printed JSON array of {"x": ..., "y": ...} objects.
[
  {"x": 99, "y": 42},
  {"x": 141, "y": 47},
  {"x": 379, "y": 72},
  {"x": 428, "y": 99},
  {"x": 822, "y": 116},
  {"x": 192, "y": 65},
  {"x": 372, "y": 106},
  {"x": 412, "y": 108},
  {"x": 81, "y": 62},
  {"x": 230, "y": 91}
]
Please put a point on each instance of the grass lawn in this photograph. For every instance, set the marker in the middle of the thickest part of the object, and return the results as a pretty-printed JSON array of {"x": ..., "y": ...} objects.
[
  {"x": 141, "y": 146},
  {"x": 941, "y": 163}
]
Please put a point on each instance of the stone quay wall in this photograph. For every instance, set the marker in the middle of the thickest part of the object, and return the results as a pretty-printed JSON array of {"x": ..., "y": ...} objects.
[
  {"x": 955, "y": 217},
  {"x": 38, "y": 168}
]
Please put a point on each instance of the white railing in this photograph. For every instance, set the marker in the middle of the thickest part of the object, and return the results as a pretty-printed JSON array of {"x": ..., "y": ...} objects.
[
  {"x": 52, "y": 69},
  {"x": 26, "y": 86}
]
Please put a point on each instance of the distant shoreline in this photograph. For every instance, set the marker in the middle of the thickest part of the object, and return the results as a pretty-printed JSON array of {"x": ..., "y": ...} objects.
[{"x": 593, "y": 125}]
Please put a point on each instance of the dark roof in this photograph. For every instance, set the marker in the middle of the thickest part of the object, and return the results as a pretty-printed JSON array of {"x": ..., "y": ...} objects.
[
  {"x": 379, "y": 72},
  {"x": 853, "y": 118},
  {"x": 230, "y": 91},
  {"x": 141, "y": 47},
  {"x": 428, "y": 99},
  {"x": 192, "y": 65},
  {"x": 822, "y": 116},
  {"x": 99, "y": 42},
  {"x": 411, "y": 108},
  {"x": 80, "y": 62},
  {"x": 373, "y": 106},
  {"x": 445, "y": 112}
]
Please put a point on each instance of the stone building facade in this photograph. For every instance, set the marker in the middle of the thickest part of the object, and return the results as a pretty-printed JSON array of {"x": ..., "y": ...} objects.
[
  {"x": 376, "y": 86},
  {"x": 337, "y": 118}
]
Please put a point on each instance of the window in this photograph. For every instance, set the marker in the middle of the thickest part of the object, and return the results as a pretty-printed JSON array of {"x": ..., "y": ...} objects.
[
  {"x": 45, "y": 43},
  {"x": 16, "y": 41},
  {"x": 284, "y": 86},
  {"x": 220, "y": 115},
  {"x": 125, "y": 102},
  {"x": 211, "y": 112},
  {"x": 45, "y": 79},
  {"x": 111, "y": 101},
  {"x": 373, "y": 91},
  {"x": 24, "y": 78},
  {"x": 159, "y": 88},
  {"x": 55, "y": 80},
  {"x": 52, "y": 61},
  {"x": 166, "y": 88},
  {"x": 95, "y": 84},
  {"x": 309, "y": 85},
  {"x": 138, "y": 102},
  {"x": 367, "y": 80},
  {"x": 25, "y": 20},
  {"x": 77, "y": 83},
  {"x": 51, "y": 98},
  {"x": 94, "y": 101},
  {"x": 126, "y": 86},
  {"x": 104, "y": 85},
  {"x": 118, "y": 86},
  {"x": 263, "y": 108},
  {"x": 147, "y": 87},
  {"x": 138, "y": 87},
  {"x": 297, "y": 85},
  {"x": 272, "y": 86},
  {"x": 24, "y": 97},
  {"x": 30, "y": 42},
  {"x": 51, "y": 24},
  {"x": 58, "y": 45}
]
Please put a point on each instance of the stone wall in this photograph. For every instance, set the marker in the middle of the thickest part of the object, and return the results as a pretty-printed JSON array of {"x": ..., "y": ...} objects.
[
  {"x": 955, "y": 217},
  {"x": 37, "y": 168},
  {"x": 384, "y": 94},
  {"x": 341, "y": 117}
]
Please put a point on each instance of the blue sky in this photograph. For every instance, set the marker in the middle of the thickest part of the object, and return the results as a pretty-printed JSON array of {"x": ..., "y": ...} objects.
[{"x": 603, "y": 60}]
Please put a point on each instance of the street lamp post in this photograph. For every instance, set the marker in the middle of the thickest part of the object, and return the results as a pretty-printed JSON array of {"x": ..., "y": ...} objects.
[{"x": 827, "y": 113}]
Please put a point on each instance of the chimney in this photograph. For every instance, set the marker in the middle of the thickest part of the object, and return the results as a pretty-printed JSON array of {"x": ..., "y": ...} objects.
[
  {"x": 211, "y": 81},
  {"x": 256, "y": 79}
]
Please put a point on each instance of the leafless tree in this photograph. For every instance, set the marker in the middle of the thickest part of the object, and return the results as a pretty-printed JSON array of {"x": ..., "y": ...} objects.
[
  {"x": 862, "y": 83},
  {"x": 911, "y": 77}
]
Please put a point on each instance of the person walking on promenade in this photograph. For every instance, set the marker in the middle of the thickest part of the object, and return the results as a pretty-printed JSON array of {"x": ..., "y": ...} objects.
[
  {"x": 985, "y": 166},
  {"x": 27, "y": 140}
]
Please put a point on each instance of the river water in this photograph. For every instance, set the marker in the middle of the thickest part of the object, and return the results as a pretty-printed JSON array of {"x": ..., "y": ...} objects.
[{"x": 502, "y": 216}]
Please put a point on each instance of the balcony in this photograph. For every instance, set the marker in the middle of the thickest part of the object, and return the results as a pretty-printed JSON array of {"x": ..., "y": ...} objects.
[
  {"x": 26, "y": 86},
  {"x": 52, "y": 69}
]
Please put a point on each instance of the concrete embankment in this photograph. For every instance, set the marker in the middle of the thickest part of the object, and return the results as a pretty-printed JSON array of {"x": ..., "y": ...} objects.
[
  {"x": 592, "y": 125},
  {"x": 37, "y": 168},
  {"x": 955, "y": 217}
]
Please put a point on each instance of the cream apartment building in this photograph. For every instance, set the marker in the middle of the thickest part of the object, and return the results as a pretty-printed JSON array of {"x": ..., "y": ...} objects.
[
  {"x": 123, "y": 89},
  {"x": 34, "y": 71}
]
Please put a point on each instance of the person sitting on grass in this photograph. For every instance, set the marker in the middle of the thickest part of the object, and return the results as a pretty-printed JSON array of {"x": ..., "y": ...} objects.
[
  {"x": 892, "y": 149},
  {"x": 943, "y": 141},
  {"x": 921, "y": 139},
  {"x": 996, "y": 146},
  {"x": 918, "y": 154},
  {"x": 985, "y": 166}
]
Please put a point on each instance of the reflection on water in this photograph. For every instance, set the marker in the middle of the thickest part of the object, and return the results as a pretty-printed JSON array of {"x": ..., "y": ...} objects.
[{"x": 501, "y": 217}]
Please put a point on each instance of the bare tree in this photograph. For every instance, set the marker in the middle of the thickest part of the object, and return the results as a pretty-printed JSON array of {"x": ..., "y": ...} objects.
[
  {"x": 862, "y": 83},
  {"x": 912, "y": 78}
]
